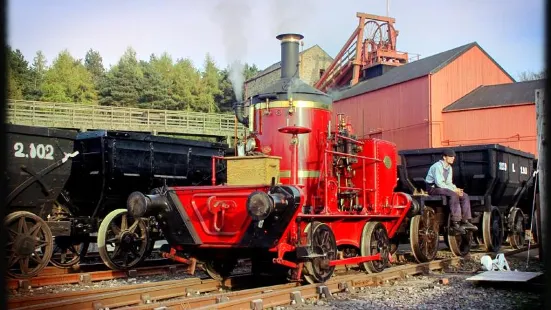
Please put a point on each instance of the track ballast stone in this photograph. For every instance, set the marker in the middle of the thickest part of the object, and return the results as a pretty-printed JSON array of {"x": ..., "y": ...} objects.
[{"x": 428, "y": 292}]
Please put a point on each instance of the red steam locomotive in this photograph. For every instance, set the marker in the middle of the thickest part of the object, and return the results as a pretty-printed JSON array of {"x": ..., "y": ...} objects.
[{"x": 304, "y": 194}]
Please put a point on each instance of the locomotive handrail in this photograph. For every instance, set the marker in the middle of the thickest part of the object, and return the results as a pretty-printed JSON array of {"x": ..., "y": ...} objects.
[
  {"x": 349, "y": 139},
  {"x": 214, "y": 158},
  {"x": 90, "y": 117},
  {"x": 363, "y": 189},
  {"x": 355, "y": 156}
]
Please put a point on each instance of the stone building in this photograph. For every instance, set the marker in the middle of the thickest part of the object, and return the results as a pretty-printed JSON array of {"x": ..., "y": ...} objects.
[{"x": 312, "y": 63}]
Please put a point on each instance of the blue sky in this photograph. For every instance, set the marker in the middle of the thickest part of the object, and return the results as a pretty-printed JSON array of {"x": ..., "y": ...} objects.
[{"x": 511, "y": 31}]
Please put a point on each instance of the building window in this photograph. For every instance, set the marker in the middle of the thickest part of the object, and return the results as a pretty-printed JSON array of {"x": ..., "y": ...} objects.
[{"x": 322, "y": 71}]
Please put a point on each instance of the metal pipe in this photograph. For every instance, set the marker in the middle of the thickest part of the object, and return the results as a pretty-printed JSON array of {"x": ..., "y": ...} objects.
[
  {"x": 326, "y": 173},
  {"x": 213, "y": 179},
  {"x": 350, "y": 139},
  {"x": 238, "y": 108},
  {"x": 354, "y": 156},
  {"x": 364, "y": 195},
  {"x": 289, "y": 54},
  {"x": 294, "y": 160}
]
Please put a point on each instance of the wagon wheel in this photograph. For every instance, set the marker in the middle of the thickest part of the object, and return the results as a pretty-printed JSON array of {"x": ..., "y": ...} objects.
[
  {"x": 516, "y": 228},
  {"x": 492, "y": 230},
  {"x": 29, "y": 244},
  {"x": 128, "y": 236},
  {"x": 65, "y": 253},
  {"x": 423, "y": 232},
  {"x": 375, "y": 241},
  {"x": 460, "y": 245},
  {"x": 324, "y": 245},
  {"x": 220, "y": 269}
]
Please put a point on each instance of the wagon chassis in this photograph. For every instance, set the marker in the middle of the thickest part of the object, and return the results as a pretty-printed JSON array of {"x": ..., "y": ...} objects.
[{"x": 494, "y": 223}]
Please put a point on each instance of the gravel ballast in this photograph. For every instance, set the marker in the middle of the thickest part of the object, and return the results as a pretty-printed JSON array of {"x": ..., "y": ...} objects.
[{"x": 441, "y": 290}]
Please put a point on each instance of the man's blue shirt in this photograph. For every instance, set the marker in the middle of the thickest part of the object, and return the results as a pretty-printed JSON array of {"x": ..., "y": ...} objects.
[{"x": 436, "y": 176}]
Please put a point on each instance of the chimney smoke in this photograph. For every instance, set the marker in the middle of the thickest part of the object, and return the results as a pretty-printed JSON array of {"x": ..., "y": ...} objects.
[{"x": 289, "y": 54}]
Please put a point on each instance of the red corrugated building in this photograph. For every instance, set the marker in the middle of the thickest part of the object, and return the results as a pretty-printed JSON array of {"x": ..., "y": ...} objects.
[
  {"x": 504, "y": 114},
  {"x": 444, "y": 100}
]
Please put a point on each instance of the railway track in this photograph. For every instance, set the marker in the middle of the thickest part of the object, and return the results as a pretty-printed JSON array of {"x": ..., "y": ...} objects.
[
  {"x": 186, "y": 293},
  {"x": 55, "y": 278},
  {"x": 235, "y": 292},
  {"x": 99, "y": 266}
]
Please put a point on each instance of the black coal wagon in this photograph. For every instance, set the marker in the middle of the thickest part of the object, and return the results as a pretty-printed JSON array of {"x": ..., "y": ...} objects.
[
  {"x": 38, "y": 167},
  {"x": 109, "y": 167},
  {"x": 500, "y": 183}
]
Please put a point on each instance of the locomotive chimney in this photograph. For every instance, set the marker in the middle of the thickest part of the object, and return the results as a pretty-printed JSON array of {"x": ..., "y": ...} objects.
[{"x": 289, "y": 54}]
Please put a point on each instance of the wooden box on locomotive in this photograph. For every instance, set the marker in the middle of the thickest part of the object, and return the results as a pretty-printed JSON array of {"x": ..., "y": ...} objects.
[{"x": 253, "y": 170}]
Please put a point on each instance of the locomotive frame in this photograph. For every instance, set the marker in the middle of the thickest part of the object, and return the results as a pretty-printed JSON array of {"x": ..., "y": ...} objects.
[{"x": 330, "y": 201}]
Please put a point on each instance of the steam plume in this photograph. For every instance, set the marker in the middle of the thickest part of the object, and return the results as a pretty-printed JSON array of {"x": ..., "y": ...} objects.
[
  {"x": 288, "y": 15},
  {"x": 231, "y": 17}
]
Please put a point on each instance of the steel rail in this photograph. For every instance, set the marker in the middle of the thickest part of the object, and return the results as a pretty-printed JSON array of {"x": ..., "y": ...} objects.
[
  {"x": 84, "y": 277},
  {"x": 294, "y": 293},
  {"x": 178, "y": 294}
]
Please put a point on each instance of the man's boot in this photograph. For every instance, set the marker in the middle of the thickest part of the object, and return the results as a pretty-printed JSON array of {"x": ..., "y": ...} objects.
[
  {"x": 456, "y": 228},
  {"x": 468, "y": 226}
]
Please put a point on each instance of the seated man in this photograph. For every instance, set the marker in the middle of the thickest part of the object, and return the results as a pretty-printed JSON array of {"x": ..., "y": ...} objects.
[{"x": 439, "y": 182}]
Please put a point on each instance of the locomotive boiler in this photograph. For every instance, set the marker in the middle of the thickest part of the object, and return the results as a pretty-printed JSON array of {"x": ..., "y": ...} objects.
[{"x": 305, "y": 194}]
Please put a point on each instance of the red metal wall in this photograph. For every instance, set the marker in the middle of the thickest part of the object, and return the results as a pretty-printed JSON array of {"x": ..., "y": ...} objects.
[
  {"x": 458, "y": 78},
  {"x": 513, "y": 126},
  {"x": 398, "y": 113}
]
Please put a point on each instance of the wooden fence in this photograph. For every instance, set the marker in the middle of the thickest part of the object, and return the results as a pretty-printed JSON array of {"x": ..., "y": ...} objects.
[{"x": 91, "y": 117}]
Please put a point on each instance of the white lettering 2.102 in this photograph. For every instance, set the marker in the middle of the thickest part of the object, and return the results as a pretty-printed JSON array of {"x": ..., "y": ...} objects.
[{"x": 39, "y": 151}]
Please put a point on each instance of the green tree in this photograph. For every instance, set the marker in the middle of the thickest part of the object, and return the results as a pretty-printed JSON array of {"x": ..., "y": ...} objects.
[
  {"x": 19, "y": 74},
  {"x": 68, "y": 81},
  {"x": 210, "y": 86},
  {"x": 122, "y": 85},
  {"x": 155, "y": 89},
  {"x": 163, "y": 64},
  {"x": 227, "y": 97},
  {"x": 186, "y": 81},
  {"x": 14, "y": 87},
  {"x": 38, "y": 71},
  {"x": 94, "y": 64}
]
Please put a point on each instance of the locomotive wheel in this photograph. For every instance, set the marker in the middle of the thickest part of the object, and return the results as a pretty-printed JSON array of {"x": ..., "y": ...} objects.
[
  {"x": 492, "y": 230},
  {"x": 324, "y": 244},
  {"x": 220, "y": 269},
  {"x": 423, "y": 232},
  {"x": 394, "y": 244},
  {"x": 375, "y": 240},
  {"x": 516, "y": 231},
  {"x": 29, "y": 245},
  {"x": 127, "y": 235}
]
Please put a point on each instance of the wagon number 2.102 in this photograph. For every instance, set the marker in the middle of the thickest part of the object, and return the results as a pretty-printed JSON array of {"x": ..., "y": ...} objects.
[{"x": 36, "y": 151}]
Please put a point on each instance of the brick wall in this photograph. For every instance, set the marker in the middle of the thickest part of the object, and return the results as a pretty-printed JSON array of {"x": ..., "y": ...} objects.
[{"x": 312, "y": 60}]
